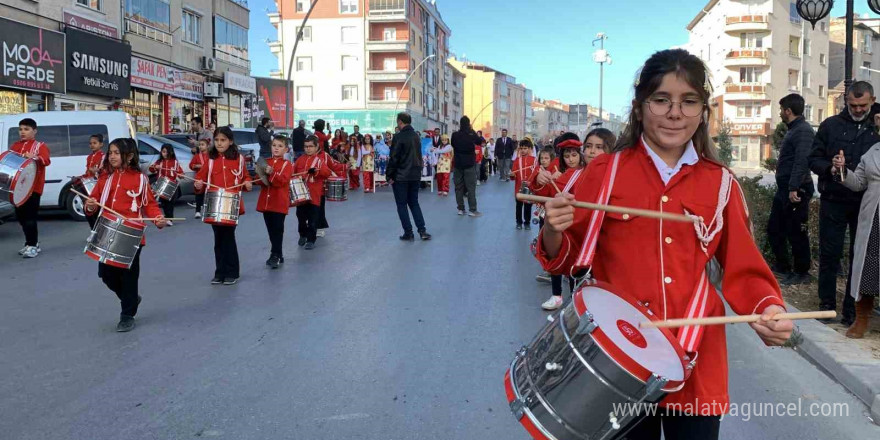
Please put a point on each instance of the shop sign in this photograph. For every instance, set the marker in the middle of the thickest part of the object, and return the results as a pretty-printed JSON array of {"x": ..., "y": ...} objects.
[
  {"x": 96, "y": 27},
  {"x": 749, "y": 129},
  {"x": 158, "y": 77},
  {"x": 11, "y": 102},
  {"x": 32, "y": 58},
  {"x": 97, "y": 65},
  {"x": 240, "y": 83}
]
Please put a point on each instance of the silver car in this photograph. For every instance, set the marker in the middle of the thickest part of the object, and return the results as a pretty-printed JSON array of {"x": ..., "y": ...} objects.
[{"x": 148, "y": 150}]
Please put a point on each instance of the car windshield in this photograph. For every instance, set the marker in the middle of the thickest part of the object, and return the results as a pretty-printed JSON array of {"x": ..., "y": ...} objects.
[{"x": 245, "y": 137}]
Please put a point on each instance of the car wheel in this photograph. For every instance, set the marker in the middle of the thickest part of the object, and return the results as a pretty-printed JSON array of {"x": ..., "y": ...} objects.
[{"x": 76, "y": 208}]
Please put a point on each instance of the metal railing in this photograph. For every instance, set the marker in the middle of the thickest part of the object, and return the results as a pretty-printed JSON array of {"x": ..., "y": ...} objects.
[
  {"x": 231, "y": 58},
  {"x": 147, "y": 31},
  {"x": 387, "y": 7}
]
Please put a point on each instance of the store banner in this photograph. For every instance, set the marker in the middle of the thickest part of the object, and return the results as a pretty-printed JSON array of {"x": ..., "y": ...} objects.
[
  {"x": 78, "y": 21},
  {"x": 158, "y": 77},
  {"x": 269, "y": 102},
  {"x": 97, "y": 65},
  {"x": 369, "y": 121},
  {"x": 32, "y": 58},
  {"x": 239, "y": 83}
]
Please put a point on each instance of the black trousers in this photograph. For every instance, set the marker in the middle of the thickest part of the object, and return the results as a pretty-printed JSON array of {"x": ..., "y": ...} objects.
[
  {"x": 322, "y": 214},
  {"x": 484, "y": 170},
  {"x": 676, "y": 427},
  {"x": 200, "y": 200},
  {"x": 523, "y": 213},
  {"x": 27, "y": 218},
  {"x": 275, "y": 226},
  {"x": 167, "y": 207},
  {"x": 225, "y": 252},
  {"x": 786, "y": 227},
  {"x": 406, "y": 195},
  {"x": 124, "y": 283},
  {"x": 834, "y": 218},
  {"x": 308, "y": 217}
]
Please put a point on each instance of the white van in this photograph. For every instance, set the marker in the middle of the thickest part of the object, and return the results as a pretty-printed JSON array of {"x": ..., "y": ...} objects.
[{"x": 67, "y": 135}]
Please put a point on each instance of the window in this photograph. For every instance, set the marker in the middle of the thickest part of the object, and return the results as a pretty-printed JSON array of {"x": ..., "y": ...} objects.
[
  {"x": 145, "y": 149},
  {"x": 97, "y": 5},
  {"x": 821, "y": 91},
  {"x": 794, "y": 46},
  {"x": 389, "y": 64},
  {"x": 155, "y": 13},
  {"x": 303, "y": 93},
  {"x": 303, "y": 64},
  {"x": 748, "y": 40},
  {"x": 822, "y": 26},
  {"x": 749, "y": 75},
  {"x": 793, "y": 79},
  {"x": 430, "y": 102},
  {"x": 348, "y": 6},
  {"x": 866, "y": 73},
  {"x": 793, "y": 13},
  {"x": 302, "y": 6},
  {"x": 390, "y": 94},
  {"x": 349, "y": 35},
  {"x": 306, "y": 31},
  {"x": 805, "y": 80},
  {"x": 821, "y": 116},
  {"x": 808, "y": 112},
  {"x": 349, "y": 93},
  {"x": 349, "y": 62},
  {"x": 230, "y": 38},
  {"x": 806, "y": 46},
  {"x": 192, "y": 27},
  {"x": 389, "y": 34},
  {"x": 866, "y": 41},
  {"x": 746, "y": 151},
  {"x": 822, "y": 59},
  {"x": 749, "y": 110}
]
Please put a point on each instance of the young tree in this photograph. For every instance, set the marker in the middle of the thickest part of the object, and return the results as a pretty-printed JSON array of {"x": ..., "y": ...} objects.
[
  {"x": 725, "y": 144},
  {"x": 776, "y": 141}
]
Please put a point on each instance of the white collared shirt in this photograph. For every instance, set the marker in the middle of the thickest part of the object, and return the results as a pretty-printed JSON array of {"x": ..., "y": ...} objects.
[{"x": 689, "y": 157}]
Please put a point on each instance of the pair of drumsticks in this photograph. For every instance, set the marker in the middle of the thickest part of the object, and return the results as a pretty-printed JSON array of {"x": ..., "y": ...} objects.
[
  {"x": 85, "y": 197},
  {"x": 217, "y": 186}
]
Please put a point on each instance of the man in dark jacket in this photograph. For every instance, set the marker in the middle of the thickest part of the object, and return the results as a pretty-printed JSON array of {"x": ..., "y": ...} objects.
[
  {"x": 853, "y": 132},
  {"x": 504, "y": 149},
  {"x": 264, "y": 137},
  {"x": 464, "y": 161},
  {"x": 794, "y": 189},
  {"x": 297, "y": 139},
  {"x": 404, "y": 173}
]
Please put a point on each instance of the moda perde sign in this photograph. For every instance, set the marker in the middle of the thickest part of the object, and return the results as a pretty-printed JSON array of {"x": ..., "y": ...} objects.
[
  {"x": 97, "y": 65},
  {"x": 32, "y": 58}
]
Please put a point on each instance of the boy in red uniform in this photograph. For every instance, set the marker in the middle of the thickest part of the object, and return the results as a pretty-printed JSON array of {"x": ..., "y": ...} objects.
[
  {"x": 666, "y": 161},
  {"x": 95, "y": 159},
  {"x": 124, "y": 189},
  {"x": 274, "y": 201},
  {"x": 26, "y": 214},
  {"x": 522, "y": 170},
  {"x": 196, "y": 164},
  {"x": 315, "y": 166}
]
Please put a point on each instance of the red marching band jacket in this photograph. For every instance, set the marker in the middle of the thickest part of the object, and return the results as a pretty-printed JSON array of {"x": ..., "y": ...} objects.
[
  {"x": 128, "y": 193},
  {"x": 94, "y": 159},
  {"x": 522, "y": 169},
  {"x": 41, "y": 158},
  {"x": 561, "y": 182},
  {"x": 338, "y": 168},
  {"x": 276, "y": 196},
  {"x": 169, "y": 168},
  {"x": 661, "y": 262},
  {"x": 316, "y": 182},
  {"x": 533, "y": 178},
  {"x": 196, "y": 163},
  {"x": 225, "y": 173}
]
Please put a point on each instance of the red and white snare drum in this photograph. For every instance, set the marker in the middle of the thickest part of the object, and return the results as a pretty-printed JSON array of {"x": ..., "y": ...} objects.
[
  {"x": 588, "y": 362},
  {"x": 115, "y": 240},
  {"x": 299, "y": 192},
  {"x": 17, "y": 176}
]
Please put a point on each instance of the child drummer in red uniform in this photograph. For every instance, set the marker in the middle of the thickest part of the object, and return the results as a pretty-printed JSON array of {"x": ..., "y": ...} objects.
[
  {"x": 314, "y": 167},
  {"x": 666, "y": 161},
  {"x": 168, "y": 167},
  {"x": 26, "y": 214},
  {"x": 274, "y": 201},
  {"x": 124, "y": 189}
]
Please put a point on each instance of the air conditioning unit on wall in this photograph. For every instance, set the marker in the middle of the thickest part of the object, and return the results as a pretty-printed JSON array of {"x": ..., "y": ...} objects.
[
  {"x": 213, "y": 89},
  {"x": 209, "y": 64}
]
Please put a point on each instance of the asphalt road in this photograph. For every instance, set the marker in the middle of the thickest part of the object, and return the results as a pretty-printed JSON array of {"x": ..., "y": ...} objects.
[{"x": 364, "y": 337}]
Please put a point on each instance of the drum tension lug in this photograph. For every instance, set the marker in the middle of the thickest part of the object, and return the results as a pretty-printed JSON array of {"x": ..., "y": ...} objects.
[
  {"x": 586, "y": 325},
  {"x": 517, "y": 406},
  {"x": 654, "y": 387}
]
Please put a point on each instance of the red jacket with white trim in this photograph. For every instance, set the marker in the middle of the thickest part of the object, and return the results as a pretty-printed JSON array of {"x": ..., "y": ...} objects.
[
  {"x": 41, "y": 158},
  {"x": 276, "y": 196}
]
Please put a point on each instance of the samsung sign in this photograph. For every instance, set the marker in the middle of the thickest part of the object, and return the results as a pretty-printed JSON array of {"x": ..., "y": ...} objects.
[
  {"x": 32, "y": 58},
  {"x": 97, "y": 65}
]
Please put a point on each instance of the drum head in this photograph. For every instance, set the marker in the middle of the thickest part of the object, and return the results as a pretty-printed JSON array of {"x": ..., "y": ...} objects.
[
  {"x": 24, "y": 183},
  {"x": 619, "y": 320}
]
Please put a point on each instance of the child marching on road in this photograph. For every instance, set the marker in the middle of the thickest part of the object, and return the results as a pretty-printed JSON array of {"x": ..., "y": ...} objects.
[
  {"x": 274, "y": 201},
  {"x": 29, "y": 147},
  {"x": 314, "y": 166},
  {"x": 168, "y": 167},
  {"x": 522, "y": 170},
  {"x": 443, "y": 152},
  {"x": 95, "y": 159},
  {"x": 368, "y": 163},
  {"x": 196, "y": 164}
]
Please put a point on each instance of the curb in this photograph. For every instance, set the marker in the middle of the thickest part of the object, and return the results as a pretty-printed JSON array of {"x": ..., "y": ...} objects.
[{"x": 843, "y": 360}]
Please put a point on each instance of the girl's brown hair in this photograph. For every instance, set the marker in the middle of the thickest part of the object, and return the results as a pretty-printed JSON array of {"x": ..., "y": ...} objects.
[
  {"x": 687, "y": 67},
  {"x": 231, "y": 152},
  {"x": 547, "y": 150},
  {"x": 608, "y": 138},
  {"x": 126, "y": 146},
  {"x": 563, "y": 167}
]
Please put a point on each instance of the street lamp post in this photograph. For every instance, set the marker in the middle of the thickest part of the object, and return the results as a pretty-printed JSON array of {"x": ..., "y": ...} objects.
[
  {"x": 288, "y": 114},
  {"x": 399, "y": 95},
  {"x": 601, "y": 56}
]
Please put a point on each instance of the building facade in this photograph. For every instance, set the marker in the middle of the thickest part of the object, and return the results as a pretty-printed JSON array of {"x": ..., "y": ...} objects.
[
  {"x": 453, "y": 106},
  {"x": 150, "y": 58},
  {"x": 360, "y": 61},
  {"x": 866, "y": 55},
  {"x": 492, "y": 99},
  {"x": 758, "y": 52},
  {"x": 550, "y": 120},
  {"x": 582, "y": 118}
]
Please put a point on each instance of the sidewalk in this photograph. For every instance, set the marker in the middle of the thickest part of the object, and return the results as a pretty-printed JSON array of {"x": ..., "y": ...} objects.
[{"x": 843, "y": 360}]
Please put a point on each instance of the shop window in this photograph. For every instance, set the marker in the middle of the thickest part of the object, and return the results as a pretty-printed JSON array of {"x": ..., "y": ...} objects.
[{"x": 97, "y": 5}]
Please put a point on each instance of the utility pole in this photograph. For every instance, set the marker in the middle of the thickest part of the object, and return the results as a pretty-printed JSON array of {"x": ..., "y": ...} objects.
[
  {"x": 288, "y": 113},
  {"x": 601, "y": 56}
]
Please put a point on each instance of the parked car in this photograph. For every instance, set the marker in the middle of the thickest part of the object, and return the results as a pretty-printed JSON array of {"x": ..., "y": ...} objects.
[
  {"x": 180, "y": 138},
  {"x": 148, "y": 143},
  {"x": 7, "y": 211},
  {"x": 67, "y": 136}
]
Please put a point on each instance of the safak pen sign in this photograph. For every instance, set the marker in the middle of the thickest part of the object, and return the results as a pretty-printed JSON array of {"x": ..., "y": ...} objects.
[{"x": 32, "y": 58}]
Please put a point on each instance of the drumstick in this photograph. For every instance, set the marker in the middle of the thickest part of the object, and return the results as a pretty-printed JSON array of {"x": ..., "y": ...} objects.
[
  {"x": 672, "y": 323},
  {"x": 157, "y": 219},
  {"x": 610, "y": 208},
  {"x": 203, "y": 183},
  {"x": 99, "y": 203}
]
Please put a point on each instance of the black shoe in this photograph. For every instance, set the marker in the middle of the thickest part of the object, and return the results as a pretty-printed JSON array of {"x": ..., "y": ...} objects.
[
  {"x": 408, "y": 237},
  {"x": 229, "y": 281},
  {"x": 847, "y": 321},
  {"x": 139, "y": 300},
  {"x": 796, "y": 279},
  {"x": 527, "y": 227},
  {"x": 274, "y": 261},
  {"x": 281, "y": 259},
  {"x": 302, "y": 241},
  {"x": 827, "y": 320},
  {"x": 217, "y": 280},
  {"x": 310, "y": 245},
  {"x": 424, "y": 235},
  {"x": 126, "y": 324},
  {"x": 518, "y": 226}
]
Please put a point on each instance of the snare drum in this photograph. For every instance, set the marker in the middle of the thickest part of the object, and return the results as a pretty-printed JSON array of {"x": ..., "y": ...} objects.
[
  {"x": 524, "y": 188},
  {"x": 539, "y": 215},
  {"x": 115, "y": 240},
  {"x": 299, "y": 192},
  {"x": 221, "y": 207},
  {"x": 164, "y": 188},
  {"x": 589, "y": 361},
  {"x": 17, "y": 176},
  {"x": 87, "y": 184},
  {"x": 334, "y": 188}
]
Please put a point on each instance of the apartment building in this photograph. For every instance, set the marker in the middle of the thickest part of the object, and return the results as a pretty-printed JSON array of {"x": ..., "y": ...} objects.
[
  {"x": 453, "y": 106},
  {"x": 360, "y": 61},
  {"x": 550, "y": 120},
  {"x": 757, "y": 52},
  {"x": 160, "y": 56},
  {"x": 492, "y": 99},
  {"x": 584, "y": 117},
  {"x": 866, "y": 55}
]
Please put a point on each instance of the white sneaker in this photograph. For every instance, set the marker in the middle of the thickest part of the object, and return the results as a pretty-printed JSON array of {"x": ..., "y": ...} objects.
[
  {"x": 553, "y": 303},
  {"x": 170, "y": 223},
  {"x": 30, "y": 252},
  {"x": 320, "y": 233},
  {"x": 198, "y": 215},
  {"x": 544, "y": 277},
  {"x": 478, "y": 183},
  {"x": 22, "y": 250},
  {"x": 474, "y": 213},
  {"x": 461, "y": 212}
]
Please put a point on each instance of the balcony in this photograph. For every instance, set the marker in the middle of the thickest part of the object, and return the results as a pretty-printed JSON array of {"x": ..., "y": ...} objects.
[
  {"x": 147, "y": 31},
  {"x": 388, "y": 45},
  {"x": 274, "y": 18},
  {"x": 276, "y": 74},
  {"x": 747, "y": 23},
  {"x": 745, "y": 92},
  {"x": 746, "y": 57},
  {"x": 274, "y": 46},
  {"x": 387, "y": 75},
  {"x": 387, "y": 10},
  {"x": 233, "y": 59}
]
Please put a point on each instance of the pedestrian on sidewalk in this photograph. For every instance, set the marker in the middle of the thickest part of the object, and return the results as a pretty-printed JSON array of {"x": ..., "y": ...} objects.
[
  {"x": 465, "y": 166},
  {"x": 852, "y": 131},
  {"x": 404, "y": 173},
  {"x": 865, "y": 285},
  {"x": 790, "y": 211}
]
